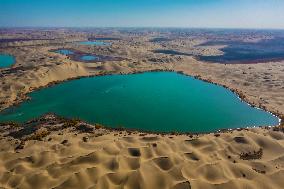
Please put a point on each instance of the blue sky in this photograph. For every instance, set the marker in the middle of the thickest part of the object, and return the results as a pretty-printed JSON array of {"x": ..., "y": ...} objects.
[{"x": 143, "y": 13}]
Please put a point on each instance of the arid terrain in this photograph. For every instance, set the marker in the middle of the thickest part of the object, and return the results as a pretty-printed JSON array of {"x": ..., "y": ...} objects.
[{"x": 60, "y": 153}]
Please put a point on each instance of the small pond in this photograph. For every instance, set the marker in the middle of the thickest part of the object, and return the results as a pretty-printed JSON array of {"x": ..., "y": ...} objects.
[{"x": 85, "y": 57}]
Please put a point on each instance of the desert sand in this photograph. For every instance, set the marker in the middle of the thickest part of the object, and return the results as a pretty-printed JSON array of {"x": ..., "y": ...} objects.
[
  {"x": 63, "y": 153},
  {"x": 72, "y": 154}
]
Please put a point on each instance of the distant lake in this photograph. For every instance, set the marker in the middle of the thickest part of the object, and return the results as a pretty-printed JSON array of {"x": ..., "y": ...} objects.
[
  {"x": 6, "y": 60},
  {"x": 96, "y": 43},
  {"x": 171, "y": 52},
  {"x": 247, "y": 52},
  {"x": 85, "y": 57},
  {"x": 155, "y": 101},
  {"x": 89, "y": 57},
  {"x": 64, "y": 51}
]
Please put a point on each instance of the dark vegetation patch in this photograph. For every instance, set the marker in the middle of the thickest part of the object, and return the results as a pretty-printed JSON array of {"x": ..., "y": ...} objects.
[
  {"x": 24, "y": 131},
  {"x": 15, "y": 70},
  {"x": 84, "y": 128},
  {"x": 280, "y": 128},
  {"x": 20, "y": 146},
  {"x": 70, "y": 123},
  {"x": 98, "y": 126},
  {"x": 21, "y": 39},
  {"x": 252, "y": 155},
  {"x": 39, "y": 128},
  {"x": 149, "y": 138},
  {"x": 259, "y": 171},
  {"x": 154, "y": 145},
  {"x": 38, "y": 135},
  {"x": 216, "y": 134},
  {"x": 241, "y": 140},
  {"x": 11, "y": 124},
  {"x": 171, "y": 52},
  {"x": 85, "y": 139},
  {"x": 64, "y": 142},
  {"x": 182, "y": 185}
]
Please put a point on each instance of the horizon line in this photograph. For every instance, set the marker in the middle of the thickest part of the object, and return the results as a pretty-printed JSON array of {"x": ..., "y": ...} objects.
[{"x": 148, "y": 27}]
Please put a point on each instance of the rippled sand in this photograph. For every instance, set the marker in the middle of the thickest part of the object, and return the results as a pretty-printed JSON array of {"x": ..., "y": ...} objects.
[{"x": 84, "y": 156}]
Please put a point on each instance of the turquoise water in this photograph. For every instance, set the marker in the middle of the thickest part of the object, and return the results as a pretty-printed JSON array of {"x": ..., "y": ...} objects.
[
  {"x": 6, "y": 60},
  {"x": 156, "y": 101},
  {"x": 77, "y": 56},
  {"x": 89, "y": 57},
  {"x": 96, "y": 43},
  {"x": 65, "y": 51}
]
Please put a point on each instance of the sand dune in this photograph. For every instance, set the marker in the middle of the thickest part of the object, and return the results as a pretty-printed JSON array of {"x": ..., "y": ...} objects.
[{"x": 80, "y": 156}]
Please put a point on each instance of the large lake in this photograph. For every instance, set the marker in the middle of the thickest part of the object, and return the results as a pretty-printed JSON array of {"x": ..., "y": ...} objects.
[
  {"x": 6, "y": 60},
  {"x": 155, "y": 101},
  {"x": 248, "y": 52}
]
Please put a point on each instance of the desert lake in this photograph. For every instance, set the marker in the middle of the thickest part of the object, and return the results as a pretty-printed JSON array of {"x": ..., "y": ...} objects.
[
  {"x": 6, "y": 60},
  {"x": 154, "y": 101},
  {"x": 84, "y": 56},
  {"x": 247, "y": 52}
]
